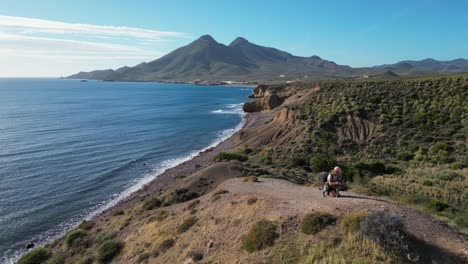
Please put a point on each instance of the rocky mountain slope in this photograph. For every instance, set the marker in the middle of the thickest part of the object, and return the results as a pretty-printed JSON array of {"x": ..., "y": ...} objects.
[
  {"x": 253, "y": 199},
  {"x": 206, "y": 59}
]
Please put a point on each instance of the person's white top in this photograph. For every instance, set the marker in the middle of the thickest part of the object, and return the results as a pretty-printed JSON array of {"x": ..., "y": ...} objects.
[{"x": 332, "y": 178}]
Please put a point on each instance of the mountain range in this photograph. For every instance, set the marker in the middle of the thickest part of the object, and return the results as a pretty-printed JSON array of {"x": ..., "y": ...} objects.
[{"x": 207, "y": 59}]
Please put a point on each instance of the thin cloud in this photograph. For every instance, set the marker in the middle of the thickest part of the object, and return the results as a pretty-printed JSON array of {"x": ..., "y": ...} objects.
[
  {"x": 32, "y": 25},
  {"x": 37, "y": 47}
]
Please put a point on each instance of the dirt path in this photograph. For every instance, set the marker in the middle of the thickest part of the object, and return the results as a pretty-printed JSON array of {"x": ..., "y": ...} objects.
[{"x": 289, "y": 199}]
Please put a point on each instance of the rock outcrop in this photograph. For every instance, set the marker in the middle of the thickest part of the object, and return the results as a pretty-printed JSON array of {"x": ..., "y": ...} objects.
[{"x": 268, "y": 102}]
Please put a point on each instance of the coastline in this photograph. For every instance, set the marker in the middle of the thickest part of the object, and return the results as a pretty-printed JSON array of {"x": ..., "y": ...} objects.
[{"x": 202, "y": 160}]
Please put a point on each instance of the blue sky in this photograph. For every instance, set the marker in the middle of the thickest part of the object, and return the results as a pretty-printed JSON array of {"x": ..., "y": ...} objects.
[{"x": 48, "y": 38}]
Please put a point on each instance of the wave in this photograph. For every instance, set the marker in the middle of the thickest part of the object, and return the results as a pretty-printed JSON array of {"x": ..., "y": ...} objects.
[
  {"x": 231, "y": 109},
  {"x": 118, "y": 197}
]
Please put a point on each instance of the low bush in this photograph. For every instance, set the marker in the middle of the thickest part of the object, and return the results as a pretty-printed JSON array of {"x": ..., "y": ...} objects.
[
  {"x": 36, "y": 256},
  {"x": 251, "y": 200},
  {"x": 182, "y": 195},
  {"x": 299, "y": 161},
  {"x": 108, "y": 250},
  {"x": 382, "y": 191},
  {"x": 228, "y": 156},
  {"x": 263, "y": 234},
  {"x": 352, "y": 222},
  {"x": 251, "y": 179},
  {"x": 220, "y": 192},
  {"x": 103, "y": 236},
  {"x": 404, "y": 155},
  {"x": 118, "y": 212},
  {"x": 447, "y": 176},
  {"x": 322, "y": 162},
  {"x": 87, "y": 260},
  {"x": 193, "y": 204},
  {"x": 314, "y": 222},
  {"x": 458, "y": 165},
  {"x": 427, "y": 183},
  {"x": 187, "y": 224},
  {"x": 161, "y": 215},
  {"x": 166, "y": 244},
  {"x": 152, "y": 203},
  {"x": 196, "y": 256},
  {"x": 461, "y": 220},
  {"x": 437, "y": 205},
  {"x": 86, "y": 225},
  {"x": 74, "y": 237},
  {"x": 143, "y": 257},
  {"x": 385, "y": 229},
  {"x": 56, "y": 260}
]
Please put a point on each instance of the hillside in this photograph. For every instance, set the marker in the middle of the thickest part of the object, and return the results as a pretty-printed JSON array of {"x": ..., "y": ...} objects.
[
  {"x": 206, "y": 59},
  {"x": 253, "y": 199}
]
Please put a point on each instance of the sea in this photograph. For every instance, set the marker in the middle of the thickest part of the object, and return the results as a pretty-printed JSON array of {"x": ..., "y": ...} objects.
[{"x": 70, "y": 149}]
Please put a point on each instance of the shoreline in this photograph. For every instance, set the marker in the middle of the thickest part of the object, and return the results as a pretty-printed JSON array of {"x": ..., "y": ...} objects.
[{"x": 202, "y": 160}]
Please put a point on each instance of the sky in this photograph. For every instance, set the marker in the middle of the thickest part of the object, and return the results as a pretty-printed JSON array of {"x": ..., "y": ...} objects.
[{"x": 51, "y": 38}]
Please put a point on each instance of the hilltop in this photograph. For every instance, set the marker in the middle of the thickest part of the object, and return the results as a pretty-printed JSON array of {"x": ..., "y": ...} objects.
[
  {"x": 253, "y": 198},
  {"x": 205, "y": 59}
]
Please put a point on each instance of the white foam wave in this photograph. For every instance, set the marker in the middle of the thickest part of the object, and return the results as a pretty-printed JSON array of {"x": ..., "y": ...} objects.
[
  {"x": 232, "y": 109},
  {"x": 137, "y": 185}
]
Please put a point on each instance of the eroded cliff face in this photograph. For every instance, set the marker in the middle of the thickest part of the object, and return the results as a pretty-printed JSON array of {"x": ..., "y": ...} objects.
[
  {"x": 357, "y": 129},
  {"x": 280, "y": 124}
]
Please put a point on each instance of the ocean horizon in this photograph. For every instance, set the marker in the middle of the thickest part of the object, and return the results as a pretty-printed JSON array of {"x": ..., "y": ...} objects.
[{"x": 70, "y": 149}]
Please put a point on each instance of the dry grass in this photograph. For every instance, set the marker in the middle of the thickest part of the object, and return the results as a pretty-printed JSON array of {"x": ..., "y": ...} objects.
[
  {"x": 351, "y": 222},
  {"x": 352, "y": 249},
  {"x": 453, "y": 191},
  {"x": 251, "y": 179}
]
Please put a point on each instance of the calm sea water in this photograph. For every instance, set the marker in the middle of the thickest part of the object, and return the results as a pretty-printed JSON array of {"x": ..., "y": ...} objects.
[{"x": 70, "y": 149}]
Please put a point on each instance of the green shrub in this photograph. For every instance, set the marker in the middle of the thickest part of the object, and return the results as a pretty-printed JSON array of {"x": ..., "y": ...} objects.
[
  {"x": 427, "y": 183},
  {"x": 447, "y": 176},
  {"x": 227, "y": 156},
  {"x": 404, "y": 155},
  {"x": 108, "y": 250},
  {"x": 152, "y": 203},
  {"x": 322, "y": 162},
  {"x": 352, "y": 222},
  {"x": 382, "y": 191},
  {"x": 187, "y": 224},
  {"x": 314, "y": 222},
  {"x": 36, "y": 256},
  {"x": 103, "y": 236},
  {"x": 74, "y": 237},
  {"x": 377, "y": 168},
  {"x": 437, "y": 205},
  {"x": 458, "y": 165},
  {"x": 299, "y": 161},
  {"x": 392, "y": 169},
  {"x": 461, "y": 220},
  {"x": 182, "y": 195},
  {"x": 263, "y": 234},
  {"x": 385, "y": 229}
]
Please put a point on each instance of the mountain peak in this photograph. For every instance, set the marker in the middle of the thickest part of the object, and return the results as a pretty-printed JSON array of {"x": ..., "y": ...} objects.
[
  {"x": 207, "y": 38},
  {"x": 237, "y": 41}
]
